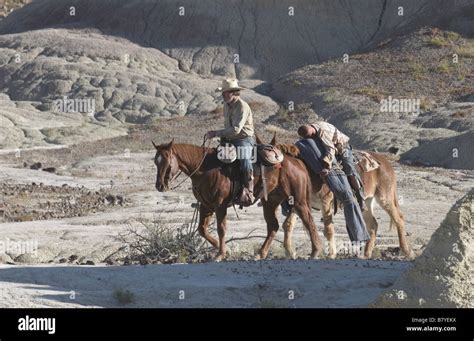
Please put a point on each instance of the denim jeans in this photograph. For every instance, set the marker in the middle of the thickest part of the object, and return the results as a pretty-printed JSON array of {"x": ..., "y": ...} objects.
[
  {"x": 348, "y": 164},
  {"x": 245, "y": 147},
  {"x": 310, "y": 151}
]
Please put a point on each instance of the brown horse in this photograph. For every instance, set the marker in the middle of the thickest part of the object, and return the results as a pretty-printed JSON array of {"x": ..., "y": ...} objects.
[
  {"x": 292, "y": 182},
  {"x": 380, "y": 185},
  {"x": 210, "y": 186},
  {"x": 213, "y": 188}
]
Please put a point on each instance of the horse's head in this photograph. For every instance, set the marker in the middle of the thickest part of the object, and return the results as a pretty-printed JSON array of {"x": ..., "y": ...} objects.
[{"x": 166, "y": 165}]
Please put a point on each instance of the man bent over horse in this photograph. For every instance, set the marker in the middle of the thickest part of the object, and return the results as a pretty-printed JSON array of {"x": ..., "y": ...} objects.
[{"x": 336, "y": 147}]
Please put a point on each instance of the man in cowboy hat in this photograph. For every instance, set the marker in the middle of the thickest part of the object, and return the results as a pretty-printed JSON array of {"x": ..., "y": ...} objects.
[
  {"x": 239, "y": 131},
  {"x": 337, "y": 145}
]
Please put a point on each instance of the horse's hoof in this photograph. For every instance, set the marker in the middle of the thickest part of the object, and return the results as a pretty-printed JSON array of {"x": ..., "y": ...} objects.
[
  {"x": 218, "y": 258},
  {"x": 410, "y": 255},
  {"x": 315, "y": 255},
  {"x": 332, "y": 255},
  {"x": 290, "y": 254}
]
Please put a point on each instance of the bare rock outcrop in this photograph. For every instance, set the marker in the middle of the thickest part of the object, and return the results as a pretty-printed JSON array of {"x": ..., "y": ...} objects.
[{"x": 443, "y": 276}]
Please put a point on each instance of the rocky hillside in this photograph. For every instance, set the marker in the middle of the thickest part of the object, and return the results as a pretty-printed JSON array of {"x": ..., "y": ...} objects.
[
  {"x": 418, "y": 67},
  {"x": 8, "y": 6},
  {"x": 271, "y": 37},
  {"x": 137, "y": 62}
]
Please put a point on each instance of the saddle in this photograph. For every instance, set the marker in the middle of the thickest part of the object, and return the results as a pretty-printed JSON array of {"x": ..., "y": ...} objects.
[{"x": 267, "y": 156}]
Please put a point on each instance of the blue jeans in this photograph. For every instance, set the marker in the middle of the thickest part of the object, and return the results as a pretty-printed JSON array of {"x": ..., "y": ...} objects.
[
  {"x": 348, "y": 164},
  {"x": 310, "y": 151},
  {"x": 245, "y": 147}
]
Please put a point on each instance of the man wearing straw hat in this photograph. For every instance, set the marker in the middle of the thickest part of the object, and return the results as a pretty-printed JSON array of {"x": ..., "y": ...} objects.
[{"x": 239, "y": 131}]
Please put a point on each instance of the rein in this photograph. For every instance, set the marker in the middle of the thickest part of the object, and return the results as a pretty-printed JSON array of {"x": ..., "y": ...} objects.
[{"x": 199, "y": 165}]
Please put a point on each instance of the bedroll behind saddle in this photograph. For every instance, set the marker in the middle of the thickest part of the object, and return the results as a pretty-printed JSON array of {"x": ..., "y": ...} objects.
[{"x": 269, "y": 155}]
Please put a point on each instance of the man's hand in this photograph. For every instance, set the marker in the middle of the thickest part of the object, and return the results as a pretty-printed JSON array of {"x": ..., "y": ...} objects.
[
  {"x": 210, "y": 134},
  {"x": 324, "y": 173}
]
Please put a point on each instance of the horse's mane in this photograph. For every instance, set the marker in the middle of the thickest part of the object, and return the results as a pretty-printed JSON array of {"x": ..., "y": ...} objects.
[{"x": 289, "y": 149}]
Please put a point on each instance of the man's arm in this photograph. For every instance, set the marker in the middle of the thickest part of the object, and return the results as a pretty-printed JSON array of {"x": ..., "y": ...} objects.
[{"x": 330, "y": 149}]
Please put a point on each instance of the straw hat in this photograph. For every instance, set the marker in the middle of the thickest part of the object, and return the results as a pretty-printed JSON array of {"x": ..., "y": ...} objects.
[{"x": 229, "y": 84}]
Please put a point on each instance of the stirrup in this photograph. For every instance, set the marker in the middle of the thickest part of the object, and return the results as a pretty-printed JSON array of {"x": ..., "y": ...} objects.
[{"x": 246, "y": 198}]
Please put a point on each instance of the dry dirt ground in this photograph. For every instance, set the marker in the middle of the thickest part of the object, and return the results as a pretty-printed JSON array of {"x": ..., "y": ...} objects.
[{"x": 97, "y": 193}]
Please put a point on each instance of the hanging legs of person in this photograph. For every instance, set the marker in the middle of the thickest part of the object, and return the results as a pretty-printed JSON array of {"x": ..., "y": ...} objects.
[
  {"x": 245, "y": 155},
  {"x": 349, "y": 167}
]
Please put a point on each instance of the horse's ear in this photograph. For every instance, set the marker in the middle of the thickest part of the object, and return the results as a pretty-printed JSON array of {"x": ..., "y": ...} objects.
[
  {"x": 169, "y": 145},
  {"x": 258, "y": 140},
  {"x": 273, "y": 141},
  {"x": 154, "y": 145}
]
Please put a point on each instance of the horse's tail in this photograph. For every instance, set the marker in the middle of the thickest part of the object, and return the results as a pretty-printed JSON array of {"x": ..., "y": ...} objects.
[{"x": 335, "y": 204}]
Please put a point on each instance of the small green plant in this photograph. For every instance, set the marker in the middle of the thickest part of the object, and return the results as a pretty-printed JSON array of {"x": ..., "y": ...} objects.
[
  {"x": 444, "y": 67},
  {"x": 372, "y": 93},
  {"x": 123, "y": 297},
  {"x": 331, "y": 95},
  {"x": 296, "y": 82},
  {"x": 465, "y": 51},
  {"x": 416, "y": 68},
  {"x": 445, "y": 39},
  {"x": 452, "y": 36},
  {"x": 438, "y": 42}
]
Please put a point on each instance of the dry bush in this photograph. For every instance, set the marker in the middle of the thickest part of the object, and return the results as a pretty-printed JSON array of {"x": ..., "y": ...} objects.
[{"x": 158, "y": 242}]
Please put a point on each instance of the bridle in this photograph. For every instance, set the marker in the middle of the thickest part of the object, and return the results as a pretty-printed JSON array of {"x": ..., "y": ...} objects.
[{"x": 197, "y": 168}]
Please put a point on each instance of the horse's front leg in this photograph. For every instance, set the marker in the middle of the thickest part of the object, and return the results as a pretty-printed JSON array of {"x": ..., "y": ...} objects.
[
  {"x": 221, "y": 215},
  {"x": 205, "y": 215},
  {"x": 269, "y": 213},
  {"x": 288, "y": 227}
]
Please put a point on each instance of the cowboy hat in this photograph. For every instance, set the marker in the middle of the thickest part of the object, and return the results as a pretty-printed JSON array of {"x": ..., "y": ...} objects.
[{"x": 229, "y": 84}]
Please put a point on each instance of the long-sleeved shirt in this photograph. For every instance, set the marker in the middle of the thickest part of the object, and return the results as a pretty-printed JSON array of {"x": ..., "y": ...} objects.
[
  {"x": 333, "y": 139},
  {"x": 238, "y": 121}
]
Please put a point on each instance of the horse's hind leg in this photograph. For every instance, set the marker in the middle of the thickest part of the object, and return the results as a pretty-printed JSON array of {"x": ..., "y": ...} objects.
[
  {"x": 327, "y": 212},
  {"x": 269, "y": 213},
  {"x": 372, "y": 227},
  {"x": 304, "y": 212},
  {"x": 393, "y": 209},
  {"x": 205, "y": 216},
  {"x": 288, "y": 226}
]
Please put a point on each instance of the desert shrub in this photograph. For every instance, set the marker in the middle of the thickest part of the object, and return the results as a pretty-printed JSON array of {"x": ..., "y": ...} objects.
[{"x": 160, "y": 242}]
